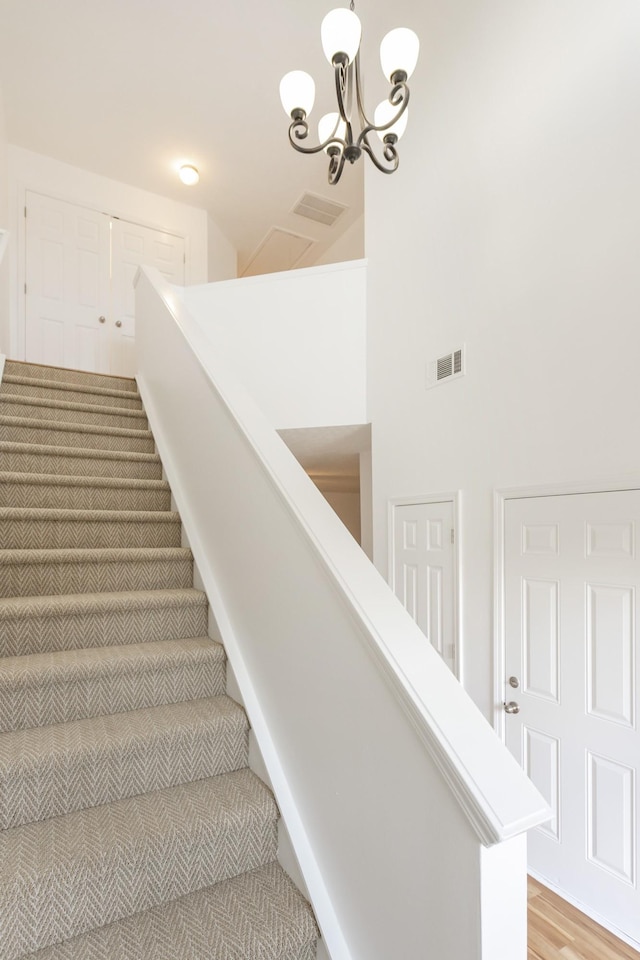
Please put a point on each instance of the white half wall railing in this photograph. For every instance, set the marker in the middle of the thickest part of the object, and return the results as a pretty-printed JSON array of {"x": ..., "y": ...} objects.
[
  {"x": 296, "y": 340},
  {"x": 407, "y": 814}
]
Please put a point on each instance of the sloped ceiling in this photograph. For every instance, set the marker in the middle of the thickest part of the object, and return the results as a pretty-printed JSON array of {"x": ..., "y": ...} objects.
[{"x": 127, "y": 88}]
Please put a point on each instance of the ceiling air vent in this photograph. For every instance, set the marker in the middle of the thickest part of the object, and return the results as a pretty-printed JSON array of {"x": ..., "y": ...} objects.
[
  {"x": 317, "y": 208},
  {"x": 445, "y": 368}
]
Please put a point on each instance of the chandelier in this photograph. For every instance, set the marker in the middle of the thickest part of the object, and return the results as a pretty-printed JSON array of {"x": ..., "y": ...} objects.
[{"x": 341, "y": 32}]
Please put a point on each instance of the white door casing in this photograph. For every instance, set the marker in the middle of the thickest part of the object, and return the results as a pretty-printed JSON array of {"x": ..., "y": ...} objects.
[
  {"x": 423, "y": 568},
  {"x": 67, "y": 284},
  {"x": 80, "y": 266},
  {"x": 571, "y": 581}
]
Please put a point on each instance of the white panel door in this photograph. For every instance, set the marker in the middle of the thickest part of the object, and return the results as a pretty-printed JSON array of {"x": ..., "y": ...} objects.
[
  {"x": 423, "y": 570},
  {"x": 572, "y": 577},
  {"x": 67, "y": 276},
  {"x": 134, "y": 246}
]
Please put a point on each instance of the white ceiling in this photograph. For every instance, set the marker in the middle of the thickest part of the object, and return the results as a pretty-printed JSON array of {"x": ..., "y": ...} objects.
[{"x": 127, "y": 88}]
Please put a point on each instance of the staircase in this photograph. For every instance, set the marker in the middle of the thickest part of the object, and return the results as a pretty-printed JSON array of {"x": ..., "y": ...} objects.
[{"x": 130, "y": 825}]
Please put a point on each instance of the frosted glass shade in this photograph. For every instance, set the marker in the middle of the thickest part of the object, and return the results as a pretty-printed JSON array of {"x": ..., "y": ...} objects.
[
  {"x": 340, "y": 32},
  {"x": 327, "y": 125},
  {"x": 399, "y": 51},
  {"x": 386, "y": 112},
  {"x": 297, "y": 92},
  {"x": 188, "y": 174}
]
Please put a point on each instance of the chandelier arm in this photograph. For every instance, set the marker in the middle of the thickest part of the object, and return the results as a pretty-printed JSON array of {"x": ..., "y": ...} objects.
[
  {"x": 336, "y": 166},
  {"x": 399, "y": 97},
  {"x": 390, "y": 154},
  {"x": 341, "y": 68},
  {"x": 299, "y": 130}
]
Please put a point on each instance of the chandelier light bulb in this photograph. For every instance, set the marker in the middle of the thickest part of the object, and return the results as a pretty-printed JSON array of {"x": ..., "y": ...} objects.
[
  {"x": 399, "y": 52},
  {"x": 297, "y": 92},
  {"x": 329, "y": 125},
  {"x": 341, "y": 31},
  {"x": 384, "y": 113},
  {"x": 189, "y": 174}
]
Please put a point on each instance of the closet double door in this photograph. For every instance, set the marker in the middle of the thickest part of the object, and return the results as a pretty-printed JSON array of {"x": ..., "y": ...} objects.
[{"x": 80, "y": 268}]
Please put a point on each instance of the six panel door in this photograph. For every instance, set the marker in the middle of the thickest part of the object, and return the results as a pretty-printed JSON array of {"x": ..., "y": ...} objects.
[
  {"x": 423, "y": 571},
  {"x": 67, "y": 276},
  {"x": 572, "y": 577}
]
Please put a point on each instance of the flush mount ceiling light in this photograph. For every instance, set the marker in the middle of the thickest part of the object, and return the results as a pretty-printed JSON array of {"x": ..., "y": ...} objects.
[
  {"x": 188, "y": 174},
  {"x": 341, "y": 32}
]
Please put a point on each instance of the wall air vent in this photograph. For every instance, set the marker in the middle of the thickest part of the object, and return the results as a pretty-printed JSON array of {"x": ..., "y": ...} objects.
[
  {"x": 317, "y": 208},
  {"x": 448, "y": 367}
]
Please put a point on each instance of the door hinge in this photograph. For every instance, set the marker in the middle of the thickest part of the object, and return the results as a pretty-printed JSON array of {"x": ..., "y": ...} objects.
[
  {"x": 25, "y": 213},
  {"x": 25, "y": 288},
  {"x": 453, "y": 535},
  {"x": 184, "y": 258}
]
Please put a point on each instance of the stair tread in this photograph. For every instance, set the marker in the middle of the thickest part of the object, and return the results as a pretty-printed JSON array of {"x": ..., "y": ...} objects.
[
  {"x": 69, "y": 480},
  {"x": 68, "y": 666},
  {"x": 115, "y": 733},
  {"x": 66, "y": 385},
  {"x": 230, "y": 921},
  {"x": 15, "y": 608},
  {"x": 63, "y": 426},
  {"x": 47, "y": 449},
  {"x": 96, "y": 554},
  {"x": 40, "y": 371},
  {"x": 39, "y": 514},
  {"x": 71, "y": 405},
  {"x": 35, "y": 850}
]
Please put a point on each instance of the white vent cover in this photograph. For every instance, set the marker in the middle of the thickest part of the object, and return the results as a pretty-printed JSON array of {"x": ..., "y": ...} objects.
[
  {"x": 317, "y": 208},
  {"x": 445, "y": 368}
]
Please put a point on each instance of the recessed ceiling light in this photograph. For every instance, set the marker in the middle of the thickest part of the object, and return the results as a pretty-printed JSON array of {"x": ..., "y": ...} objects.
[{"x": 188, "y": 174}]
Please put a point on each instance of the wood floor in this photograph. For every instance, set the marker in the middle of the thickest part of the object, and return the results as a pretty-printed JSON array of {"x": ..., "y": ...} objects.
[{"x": 558, "y": 931}]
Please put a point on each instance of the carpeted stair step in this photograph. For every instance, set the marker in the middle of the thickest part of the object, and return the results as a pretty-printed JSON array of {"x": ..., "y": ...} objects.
[
  {"x": 23, "y": 528},
  {"x": 76, "y": 462},
  {"x": 53, "y": 432},
  {"x": 67, "y": 875},
  {"x": 70, "y": 392},
  {"x": 36, "y": 371},
  {"x": 47, "y": 688},
  {"x": 259, "y": 915},
  {"x": 31, "y": 624},
  {"x": 41, "y": 490},
  {"x": 37, "y": 573},
  {"x": 75, "y": 413},
  {"x": 51, "y": 771}
]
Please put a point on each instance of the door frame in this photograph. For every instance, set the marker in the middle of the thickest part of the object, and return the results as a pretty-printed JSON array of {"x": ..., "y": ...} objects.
[
  {"x": 500, "y": 497},
  {"x": 454, "y": 498}
]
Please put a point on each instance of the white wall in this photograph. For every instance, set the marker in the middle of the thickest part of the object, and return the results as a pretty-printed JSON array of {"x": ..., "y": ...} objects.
[
  {"x": 511, "y": 226},
  {"x": 349, "y": 246},
  {"x": 33, "y": 171},
  {"x": 295, "y": 340},
  {"x": 4, "y": 224},
  {"x": 222, "y": 256}
]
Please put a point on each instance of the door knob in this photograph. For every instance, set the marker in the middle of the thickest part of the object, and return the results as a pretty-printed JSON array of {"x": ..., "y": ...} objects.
[
  {"x": 118, "y": 323},
  {"x": 511, "y": 707},
  {"x": 101, "y": 319}
]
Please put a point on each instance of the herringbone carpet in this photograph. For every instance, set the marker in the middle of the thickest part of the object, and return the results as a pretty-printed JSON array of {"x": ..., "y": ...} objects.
[{"x": 130, "y": 825}]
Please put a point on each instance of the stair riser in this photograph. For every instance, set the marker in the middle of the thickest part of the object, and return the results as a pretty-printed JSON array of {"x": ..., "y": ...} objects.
[
  {"x": 54, "y": 579},
  {"x": 68, "y": 395},
  {"x": 49, "y": 436},
  {"x": 68, "y": 497},
  {"x": 55, "y": 788},
  {"x": 64, "y": 902},
  {"x": 35, "y": 634},
  {"x": 62, "y": 534},
  {"x": 39, "y": 704},
  {"x": 36, "y": 372},
  {"x": 25, "y": 461},
  {"x": 37, "y": 411}
]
